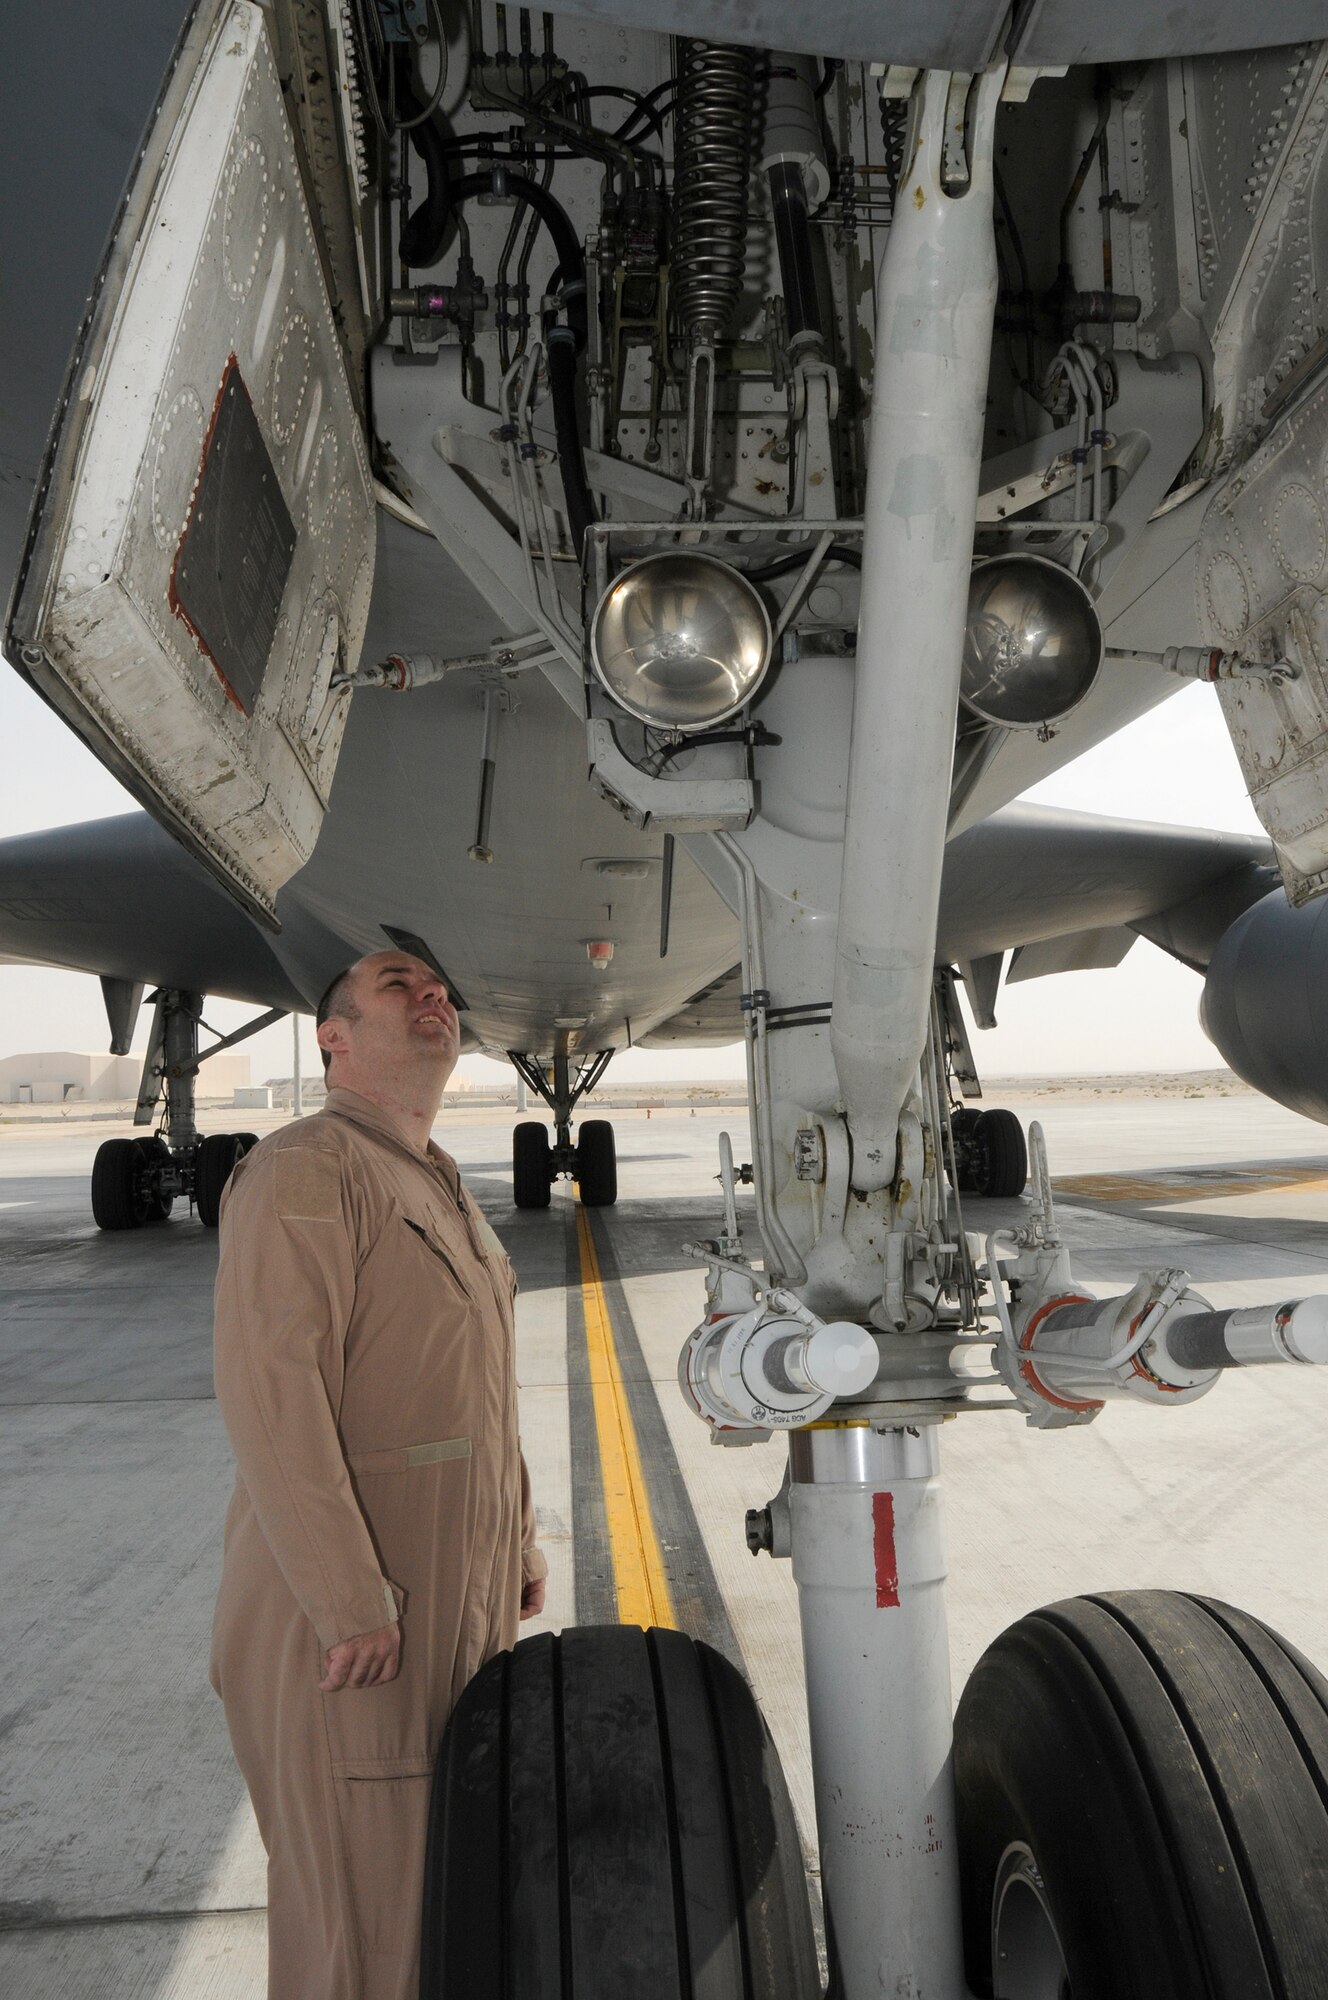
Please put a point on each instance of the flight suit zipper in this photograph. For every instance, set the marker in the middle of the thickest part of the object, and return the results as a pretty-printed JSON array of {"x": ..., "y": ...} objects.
[{"x": 441, "y": 1255}]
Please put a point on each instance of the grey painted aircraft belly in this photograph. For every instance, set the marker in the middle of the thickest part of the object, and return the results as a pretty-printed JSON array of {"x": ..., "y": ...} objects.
[{"x": 512, "y": 933}]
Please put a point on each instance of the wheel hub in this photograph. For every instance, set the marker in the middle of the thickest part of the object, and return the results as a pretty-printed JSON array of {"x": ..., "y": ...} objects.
[{"x": 1026, "y": 1956}]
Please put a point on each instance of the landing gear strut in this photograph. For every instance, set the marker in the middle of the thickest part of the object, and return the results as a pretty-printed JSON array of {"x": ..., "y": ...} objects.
[
  {"x": 138, "y": 1180},
  {"x": 592, "y": 1162}
]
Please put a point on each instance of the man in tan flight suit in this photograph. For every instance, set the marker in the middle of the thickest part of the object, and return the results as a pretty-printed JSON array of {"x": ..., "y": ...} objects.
[{"x": 380, "y": 1543}]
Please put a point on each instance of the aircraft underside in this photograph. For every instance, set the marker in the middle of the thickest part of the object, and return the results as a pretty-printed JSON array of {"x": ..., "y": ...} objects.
[{"x": 619, "y": 513}]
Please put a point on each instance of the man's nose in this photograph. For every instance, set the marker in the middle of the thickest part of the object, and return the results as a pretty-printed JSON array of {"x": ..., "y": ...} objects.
[{"x": 434, "y": 989}]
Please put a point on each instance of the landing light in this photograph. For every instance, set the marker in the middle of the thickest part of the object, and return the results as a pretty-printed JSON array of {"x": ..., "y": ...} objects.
[
  {"x": 680, "y": 640},
  {"x": 1033, "y": 644}
]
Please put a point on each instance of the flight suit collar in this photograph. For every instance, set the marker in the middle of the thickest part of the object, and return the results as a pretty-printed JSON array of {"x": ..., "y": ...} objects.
[{"x": 371, "y": 1117}]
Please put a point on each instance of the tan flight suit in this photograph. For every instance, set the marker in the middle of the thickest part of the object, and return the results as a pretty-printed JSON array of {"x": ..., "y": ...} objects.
[{"x": 364, "y": 1369}]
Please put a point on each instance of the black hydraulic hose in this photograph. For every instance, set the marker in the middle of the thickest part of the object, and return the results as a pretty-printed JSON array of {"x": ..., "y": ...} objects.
[
  {"x": 562, "y": 352},
  {"x": 423, "y": 231},
  {"x": 797, "y": 559},
  {"x": 793, "y": 242},
  {"x": 564, "y": 342}
]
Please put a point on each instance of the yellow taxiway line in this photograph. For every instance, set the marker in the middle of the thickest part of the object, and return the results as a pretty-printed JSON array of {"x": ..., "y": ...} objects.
[{"x": 639, "y": 1576}]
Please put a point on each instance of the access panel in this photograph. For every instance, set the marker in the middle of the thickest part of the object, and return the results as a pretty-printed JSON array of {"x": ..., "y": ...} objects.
[{"x": 201, "y": 554}]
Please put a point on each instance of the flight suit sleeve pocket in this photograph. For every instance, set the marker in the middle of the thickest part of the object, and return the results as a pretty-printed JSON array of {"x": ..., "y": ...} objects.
[{"x": 307, "y": 1184}]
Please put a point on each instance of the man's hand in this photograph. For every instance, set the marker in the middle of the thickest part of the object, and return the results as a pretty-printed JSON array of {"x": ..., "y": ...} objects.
[
  {"x": 532, "y": 1597},
  {"x": 365, "y": 1661}
]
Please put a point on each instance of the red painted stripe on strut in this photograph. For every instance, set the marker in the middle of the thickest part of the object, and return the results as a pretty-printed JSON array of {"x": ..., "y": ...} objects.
[{"x": 887, "y": 1562}]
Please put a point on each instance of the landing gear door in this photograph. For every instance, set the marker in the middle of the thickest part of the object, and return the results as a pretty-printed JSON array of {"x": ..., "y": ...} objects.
[{"x": 201, "y": 552}]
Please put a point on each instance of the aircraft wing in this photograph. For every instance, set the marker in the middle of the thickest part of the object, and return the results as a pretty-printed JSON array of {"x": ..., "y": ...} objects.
[{"x": 1062, "y": 890}]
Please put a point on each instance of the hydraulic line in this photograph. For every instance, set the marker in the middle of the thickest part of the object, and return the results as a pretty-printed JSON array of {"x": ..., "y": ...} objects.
[
  {"x": 421, "y": 241},
  {"x": 713, "y": 142},
  {"x": 564, "y": 342},
  {"x": 793, "y": 244},
  {"x": 793, "y": 160},
  {"x": 551, "y": 213},
  {"x": 562, "y": 348}
]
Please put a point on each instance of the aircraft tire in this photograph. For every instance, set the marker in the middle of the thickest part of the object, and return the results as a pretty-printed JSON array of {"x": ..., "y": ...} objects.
[
  {"x": 532, "y": 1169},
  {"x": 248, "y": 1140},
  {"x": 1001, "y": 1166},
  {"x": 120, "y": 1195},
  {"x": 609, "y": 1818},
  {"x": 1142, "y": 1785},
  {"x": 216, "y": 1159},
  {"x": 596, "y": 1164}
]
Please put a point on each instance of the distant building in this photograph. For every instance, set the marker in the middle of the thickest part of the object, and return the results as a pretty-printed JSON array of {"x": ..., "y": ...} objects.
[{"x": 79, "y": 1076}]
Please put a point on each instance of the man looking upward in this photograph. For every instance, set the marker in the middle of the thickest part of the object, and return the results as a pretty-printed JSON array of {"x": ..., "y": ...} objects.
[{"x": 380, "y": 1543}]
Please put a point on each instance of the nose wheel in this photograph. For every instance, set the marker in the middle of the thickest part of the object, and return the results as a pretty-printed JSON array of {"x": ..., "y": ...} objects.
[
  {"x": 609, "y": 1818},
  {"x": 1142, "y": 1787}
]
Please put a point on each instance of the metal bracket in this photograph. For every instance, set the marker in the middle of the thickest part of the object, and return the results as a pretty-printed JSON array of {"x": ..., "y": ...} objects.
[{"x": 685, "y": 805}]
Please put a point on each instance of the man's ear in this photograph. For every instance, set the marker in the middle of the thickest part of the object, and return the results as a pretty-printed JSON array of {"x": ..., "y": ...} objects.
[{"x": 332, "y": 1037}]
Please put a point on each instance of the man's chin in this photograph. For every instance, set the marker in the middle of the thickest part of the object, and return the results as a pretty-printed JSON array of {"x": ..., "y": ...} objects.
[{"x": 437, "y": 1045}]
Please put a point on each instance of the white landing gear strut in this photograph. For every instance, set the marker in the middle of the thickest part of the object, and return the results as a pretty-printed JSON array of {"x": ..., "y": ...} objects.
[
  {"x": 861, "y": 1230},
  {"x": 865, "y": 1522}
]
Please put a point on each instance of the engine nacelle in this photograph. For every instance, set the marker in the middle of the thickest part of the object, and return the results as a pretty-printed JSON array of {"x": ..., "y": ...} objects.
[{"x": 1265, "y": 1002}]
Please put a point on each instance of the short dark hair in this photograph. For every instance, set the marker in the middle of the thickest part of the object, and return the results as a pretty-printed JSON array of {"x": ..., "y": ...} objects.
[{"x": 337, "y": 999}]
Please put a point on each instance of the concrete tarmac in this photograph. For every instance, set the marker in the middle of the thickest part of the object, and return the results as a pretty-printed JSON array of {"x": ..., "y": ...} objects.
[{"x": 129, "y": 1863}]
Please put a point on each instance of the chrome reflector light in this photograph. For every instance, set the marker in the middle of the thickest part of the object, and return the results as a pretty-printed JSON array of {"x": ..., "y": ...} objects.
[
  {"x": 1033, "y": 644},
  {"x": 680, "y": 640}
]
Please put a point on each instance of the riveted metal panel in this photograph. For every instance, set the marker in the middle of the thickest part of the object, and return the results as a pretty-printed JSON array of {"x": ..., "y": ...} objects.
[
  {"x": 1263, "y": 591},
  {"x": 213, "y": 298}
]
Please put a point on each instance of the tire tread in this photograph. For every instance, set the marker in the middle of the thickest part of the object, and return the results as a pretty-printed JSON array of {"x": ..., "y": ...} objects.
[
  {"x": 592, "y": 1782},
  {"x": 1172, "y": 1752}
]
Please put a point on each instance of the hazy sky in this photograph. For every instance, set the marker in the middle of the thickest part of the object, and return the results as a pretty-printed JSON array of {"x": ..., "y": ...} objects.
[{"x": 1176, "y": 765}]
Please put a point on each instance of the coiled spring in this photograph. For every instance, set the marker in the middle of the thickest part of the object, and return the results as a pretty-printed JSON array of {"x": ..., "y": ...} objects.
[{"x": 713, "y": 140}]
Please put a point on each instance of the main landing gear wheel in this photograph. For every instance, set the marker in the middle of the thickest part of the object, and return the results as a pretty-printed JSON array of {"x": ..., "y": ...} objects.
[
  {"x": 157, "y": 1154},
  {"x": 216, "y": 1159},
  {"x": 963, "y": 1129},
  {"x": 596, "y": 1164},
  {"x": 1142, "y": 1785},
  {"x": 532, "y": 1168},
  {"x": 1000, "y": 1154},
  {"x": 122, "y": 1195},
  {"x": 609, "y": 1818}
]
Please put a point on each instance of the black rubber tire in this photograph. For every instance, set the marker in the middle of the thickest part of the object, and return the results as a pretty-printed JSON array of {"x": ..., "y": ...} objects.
[
  {"x": 215, "y": 1161},
  {"x": 157, "y": 1152},
  {"x": 1001, "y": 1166},
  {"x": 248, "y": 1140},
  {"x": 120, "y": 1195},
  {"x": 596, "y": 1163},
  {"x": 532, "y": 1169},
  {"x": 963, "y": 1128},
  {"x": 1164, "y": 1761},
  {"x": 609, "y": 1819}
]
